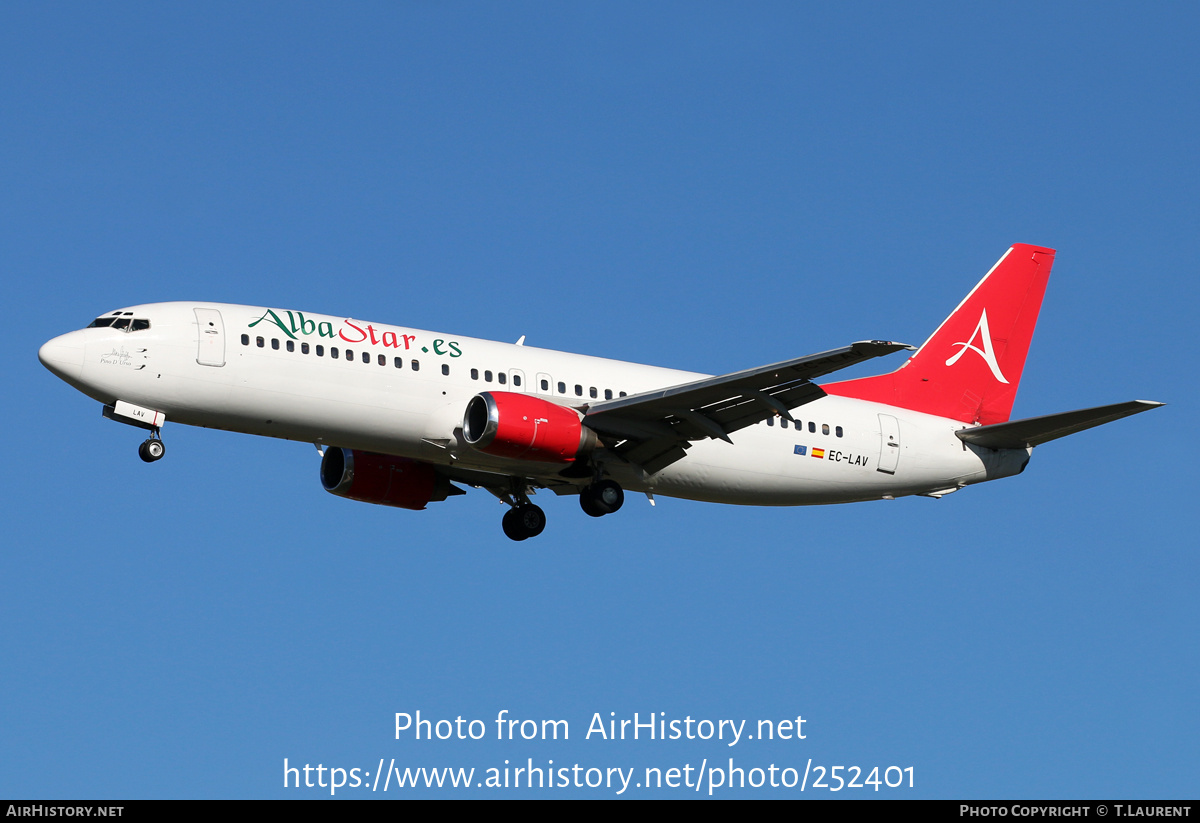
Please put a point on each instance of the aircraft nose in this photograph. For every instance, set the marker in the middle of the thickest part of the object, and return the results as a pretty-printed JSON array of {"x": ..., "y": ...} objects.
[{"x": 63, "y": 356}]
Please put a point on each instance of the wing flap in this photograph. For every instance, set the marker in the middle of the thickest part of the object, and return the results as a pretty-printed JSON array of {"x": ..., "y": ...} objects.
[
  {"x": 655, "y": 428},
  {"x": 769, "y": 380}
]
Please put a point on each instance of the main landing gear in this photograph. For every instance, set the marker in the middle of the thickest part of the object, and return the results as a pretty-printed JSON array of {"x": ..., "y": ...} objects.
[
  {"x": 601, "y": 498},
  {"x": 153, "y": 449},
  {"x": 523, "y": 521}
]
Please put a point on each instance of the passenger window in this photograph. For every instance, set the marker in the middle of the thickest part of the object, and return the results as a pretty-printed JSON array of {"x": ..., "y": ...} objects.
[
  {"x": 812, "y": 427},
  {"x": 545, "y": 385},
  {"x": 366, "y": 357},
  {"x": 260, "y": 342},
  {"x": 245, "y": 340},
  {"x": 578, "y": 390},
  {"x": 382, "y": 360},
  {"x": 304, "y": 348},
  {"x": 516, "y": 379},
  {"x": 291, "y": 345},
  {"x": 474, "y": 374},
  {"x": 562, "y": 387},
  {"x": 623, "y": 394},
  {"x": 333, "y": 352},
  {"x": 350, "y": 354},
  {"x": 275, "y": 344},
  {"x": 416, "y": 365},
  {"x": 487, "y": 376},
  {"x": 399, "y": 363},
  {"x": 320, "y": 351},
  {"x": 446, "y": 369},
  {"x": 608, "y": 394},
  {"x": 838, "y": 431},
  {"x": 824, "y": 428},
  {"x": 592, "y": 392},
  {"x": 771, "y": 421},
  {"x": 502, "y": 378},
  {"x": 783, "y": 422}
]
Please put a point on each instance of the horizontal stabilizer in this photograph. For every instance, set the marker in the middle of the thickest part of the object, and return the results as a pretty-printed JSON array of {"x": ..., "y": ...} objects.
[{"x": 1033, "y": 431}]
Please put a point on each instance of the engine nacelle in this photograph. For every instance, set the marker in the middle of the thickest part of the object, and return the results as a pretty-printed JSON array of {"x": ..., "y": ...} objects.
[
  {"x": 520, "y": 427},
  {"x": 382, "y": 479}
]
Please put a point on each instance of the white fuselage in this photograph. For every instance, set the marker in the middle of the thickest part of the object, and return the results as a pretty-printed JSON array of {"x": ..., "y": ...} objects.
[{"x": 401, "y": 391}]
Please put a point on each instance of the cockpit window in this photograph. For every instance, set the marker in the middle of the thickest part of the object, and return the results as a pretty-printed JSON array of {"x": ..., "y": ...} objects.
[{"x": 125, "y": 323}]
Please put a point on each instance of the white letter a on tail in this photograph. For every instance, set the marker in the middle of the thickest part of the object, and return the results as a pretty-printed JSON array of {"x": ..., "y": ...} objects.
[{"x": 987, "y": 352}]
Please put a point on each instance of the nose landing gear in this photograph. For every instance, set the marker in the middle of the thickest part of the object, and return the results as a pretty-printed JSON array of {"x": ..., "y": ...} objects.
[{"x": 153, "y": 449}]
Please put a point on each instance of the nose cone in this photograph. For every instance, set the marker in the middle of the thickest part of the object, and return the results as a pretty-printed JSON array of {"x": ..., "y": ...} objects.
[{"x": 64, "y": 356}]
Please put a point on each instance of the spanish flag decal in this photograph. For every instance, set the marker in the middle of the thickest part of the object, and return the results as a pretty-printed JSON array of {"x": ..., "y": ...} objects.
[{"x": 818, "y": 453}]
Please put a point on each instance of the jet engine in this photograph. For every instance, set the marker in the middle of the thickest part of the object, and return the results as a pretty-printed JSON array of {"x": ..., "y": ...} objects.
[
  {"x": 383, "y": 479},
  {"x": 520, "y": 427}
]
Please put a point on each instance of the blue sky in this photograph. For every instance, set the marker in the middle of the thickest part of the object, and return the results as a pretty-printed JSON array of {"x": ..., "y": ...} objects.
[{"x": 695, "y": 185}]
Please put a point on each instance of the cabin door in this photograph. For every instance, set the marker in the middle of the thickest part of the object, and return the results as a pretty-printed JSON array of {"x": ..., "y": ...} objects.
[
  {"x": 889, "y": 443},
  {"x": 212, "y": 338}
]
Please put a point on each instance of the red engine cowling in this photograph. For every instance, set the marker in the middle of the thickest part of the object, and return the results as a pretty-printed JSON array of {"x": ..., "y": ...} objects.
[
  {"x": 507, "y": 424},
  {"x": 382, "y": 479}
]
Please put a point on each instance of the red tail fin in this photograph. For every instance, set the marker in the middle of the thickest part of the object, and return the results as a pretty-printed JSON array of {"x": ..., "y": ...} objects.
[{"x": 970, "y": 368}]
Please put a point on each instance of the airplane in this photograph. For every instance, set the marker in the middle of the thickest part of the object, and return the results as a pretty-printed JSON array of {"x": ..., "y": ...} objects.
[{"x": 404, "y": 417}]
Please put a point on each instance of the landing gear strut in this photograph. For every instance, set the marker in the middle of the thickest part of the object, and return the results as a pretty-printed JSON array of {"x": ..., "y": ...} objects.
[
  {"x": 601, "y": 498},
  {"x": 152, "y": 449}
]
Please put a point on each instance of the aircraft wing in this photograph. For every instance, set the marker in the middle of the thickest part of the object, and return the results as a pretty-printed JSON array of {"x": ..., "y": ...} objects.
[
  {"x": 655, "y": 428},
  {"x": 1034, "y": 431}
]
